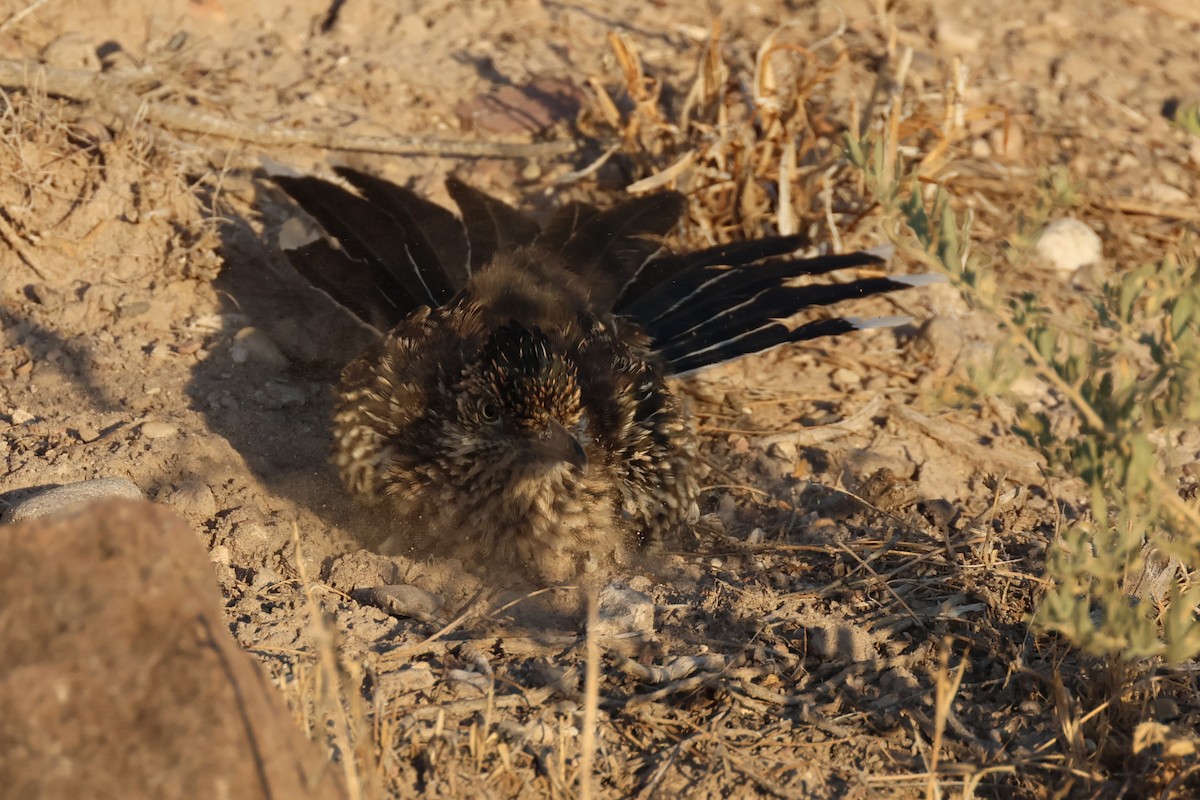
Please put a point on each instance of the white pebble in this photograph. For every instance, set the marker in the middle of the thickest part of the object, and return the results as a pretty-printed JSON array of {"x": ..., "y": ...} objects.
[{"x": 1069, "y": 244}]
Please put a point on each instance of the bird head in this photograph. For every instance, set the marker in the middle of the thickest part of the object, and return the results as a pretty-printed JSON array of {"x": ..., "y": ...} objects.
[{"x": 519, "y": 401}]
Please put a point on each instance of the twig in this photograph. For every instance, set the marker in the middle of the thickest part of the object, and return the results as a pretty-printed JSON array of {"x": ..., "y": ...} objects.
[
  {"x": 680, "y": 668},
  {"x": 346, "y": 733},
  {"x": 591, "y": 705},
  {"x": 590, "y": 169},
  {"x": 887, "y": 586},
  {"x": 1178, "y": 13},
  {"x": 456, "y": 708},
  {"x": 947, "y": 688},
  {"x": 407, "y": 652},
  {"x": 115, "y": 96},
  {"x": 17, "y": 16},
  {"x": 17, "y": 243},
  {"x": 801, "y": 705},
  {"x": 761, "y": 781},
  {"x": 1130, "y": 205}
]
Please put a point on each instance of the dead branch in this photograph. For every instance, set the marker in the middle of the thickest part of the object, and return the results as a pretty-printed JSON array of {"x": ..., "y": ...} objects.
[{"x": 114, "y": 99}]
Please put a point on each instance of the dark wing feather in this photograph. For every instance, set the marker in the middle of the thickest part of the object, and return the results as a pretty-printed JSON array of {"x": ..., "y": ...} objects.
[
  {"x": 438, "y": 235},
  {"x": 371, "y": 296},
  {"x": 759, "y": 340},
  {"x": 492, "y": 226},
  {"x": 609, "y": 248},
  {"x": 563, "y": 224},
  {"x": 367, "y": 233},
  {"x": 709, "y": 285}
]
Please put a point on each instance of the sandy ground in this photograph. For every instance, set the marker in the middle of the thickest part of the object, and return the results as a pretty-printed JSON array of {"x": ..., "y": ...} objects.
[{"x": 857, "y": 522}]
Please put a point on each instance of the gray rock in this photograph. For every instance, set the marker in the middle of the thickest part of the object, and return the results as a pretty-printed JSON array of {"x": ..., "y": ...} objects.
[
  {"x": 624, "y": 611},
  {"x": 70, "y": 497},
  {"x": 403, "y": 600}
]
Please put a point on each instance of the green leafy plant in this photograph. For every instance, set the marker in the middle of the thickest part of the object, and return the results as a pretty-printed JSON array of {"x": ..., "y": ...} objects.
[{"x": 1129, "y": 373}]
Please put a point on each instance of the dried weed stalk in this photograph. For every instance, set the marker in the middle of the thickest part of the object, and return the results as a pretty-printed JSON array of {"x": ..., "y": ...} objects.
[{"x": 751, "y": 151}]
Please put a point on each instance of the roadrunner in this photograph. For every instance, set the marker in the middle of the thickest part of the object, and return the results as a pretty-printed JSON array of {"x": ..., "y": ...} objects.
[{"x": 514, "y": 412}]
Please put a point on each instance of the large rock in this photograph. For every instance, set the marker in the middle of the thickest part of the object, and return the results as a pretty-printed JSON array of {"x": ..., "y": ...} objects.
[{"x": 118, "y": 677}]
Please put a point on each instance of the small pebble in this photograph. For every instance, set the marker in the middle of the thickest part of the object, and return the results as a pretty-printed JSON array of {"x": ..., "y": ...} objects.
[
  {"x": 251, "y": 344},
  {"x": 72, "y": 51},
  {"x": 624, "y": 611},
  {"x": 1069, "y": 244},
  {"x": 192, "y": 497},
  {"x": 158, "y": 430},
  {"x": 957, "y": 38},
  {"x": 403, "y": 600},
  {"x": 1007, "y": 142},
  {"x": 784, "y": 450},
  {"x": 941, "y": 340},
  {"x": 87, "y": 433},
  {"x": 466, "y": 679},
  {"x": 70, "y": 497},
  {"x": 846, "y": 379},
  {"x": 410, "y": 678},
  {"x": 264, "y": 577},
  {"x": 1161, "y": 192},
  {"x": 280, "y": 395},
  {"x": 133, "y": 309},
  {"x": 20, "y": 416}
]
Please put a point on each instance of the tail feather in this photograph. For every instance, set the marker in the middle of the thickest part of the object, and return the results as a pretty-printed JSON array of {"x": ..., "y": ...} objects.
[
  {"x": 690, "y": 335},
  {"x": 372, "y": 296},
  {"x": 659, "y": 272},
  {"x": 758, "y": 340},
  {"x": 710, "y": 289},
  {"x": 563, "y": 223}
]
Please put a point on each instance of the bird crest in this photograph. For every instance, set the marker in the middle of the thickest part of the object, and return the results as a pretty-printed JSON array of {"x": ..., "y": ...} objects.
[{"x": 529, "y": 378}]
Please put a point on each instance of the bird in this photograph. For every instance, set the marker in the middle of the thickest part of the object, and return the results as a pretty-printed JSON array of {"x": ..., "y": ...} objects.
[{"x": 515, "y": 411}]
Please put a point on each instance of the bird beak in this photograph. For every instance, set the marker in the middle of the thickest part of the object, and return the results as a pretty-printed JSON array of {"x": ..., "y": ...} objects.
[{"x": 556, "y": 443}]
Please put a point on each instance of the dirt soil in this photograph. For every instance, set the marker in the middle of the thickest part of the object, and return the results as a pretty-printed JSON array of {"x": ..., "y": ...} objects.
[{"x": 863, "y": 538}]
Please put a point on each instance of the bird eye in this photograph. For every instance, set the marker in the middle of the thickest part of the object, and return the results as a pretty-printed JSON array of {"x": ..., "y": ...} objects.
[{"x": 489, "y": 413}]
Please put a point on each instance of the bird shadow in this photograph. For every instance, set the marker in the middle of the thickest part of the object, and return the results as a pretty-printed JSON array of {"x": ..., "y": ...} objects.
[{"x": 274, "y": 348}]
